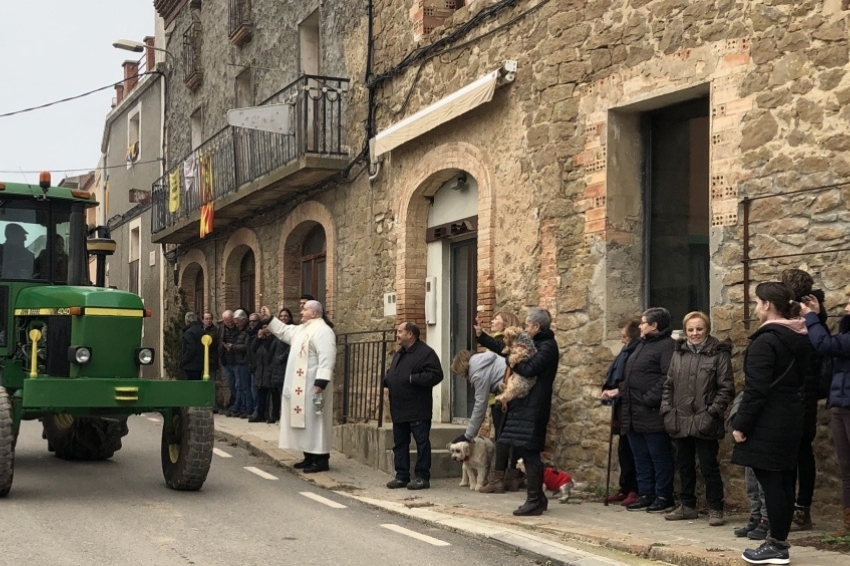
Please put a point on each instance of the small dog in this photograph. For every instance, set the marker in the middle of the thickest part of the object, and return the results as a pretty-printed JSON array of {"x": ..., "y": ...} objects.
[
  {"x": 560, "y": 483},
  {"x": 476, "y": 456},
  {"x": 519, "y": 347}
]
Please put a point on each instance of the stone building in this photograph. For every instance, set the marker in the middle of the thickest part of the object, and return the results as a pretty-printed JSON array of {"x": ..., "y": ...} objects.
[
  {"x": 609, "y": 174},
  {"x": 131, "y": 149}
]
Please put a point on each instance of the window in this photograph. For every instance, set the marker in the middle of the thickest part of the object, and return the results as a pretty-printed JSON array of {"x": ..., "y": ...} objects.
[
  {"x": 314, "y": 264},
  {"x": 199, "y": 293},
  {"x": 196, "y": 127},
  {"x": 135, "y": 252},
  {"x": 244, "y": 94},
  {"x": 308, "y": 41},
  {"x": 247, "y": 282}
]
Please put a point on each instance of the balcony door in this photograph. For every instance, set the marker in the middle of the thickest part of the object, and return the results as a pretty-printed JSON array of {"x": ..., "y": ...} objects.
[
  {"x": 314, "y": 264},
  {"x": 247, "y": 282}
]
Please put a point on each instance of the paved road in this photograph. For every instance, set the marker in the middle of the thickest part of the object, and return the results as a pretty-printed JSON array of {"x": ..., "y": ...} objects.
[{"x": 120, "y": 512}]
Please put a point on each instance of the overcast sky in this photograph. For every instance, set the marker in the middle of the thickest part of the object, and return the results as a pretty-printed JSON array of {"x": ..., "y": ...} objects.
[{"x": 53, "y": 49}]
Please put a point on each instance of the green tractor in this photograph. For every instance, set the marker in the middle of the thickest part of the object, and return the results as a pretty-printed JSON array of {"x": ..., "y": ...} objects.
[{"x": 70, "y": 351}]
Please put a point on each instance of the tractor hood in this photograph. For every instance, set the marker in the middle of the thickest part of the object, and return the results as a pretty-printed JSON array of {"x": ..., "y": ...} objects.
[{"x": 60, "y": 297}]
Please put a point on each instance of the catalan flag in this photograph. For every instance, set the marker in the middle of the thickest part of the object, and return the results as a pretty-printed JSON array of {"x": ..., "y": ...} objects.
[{"x": 207, "y": 217}]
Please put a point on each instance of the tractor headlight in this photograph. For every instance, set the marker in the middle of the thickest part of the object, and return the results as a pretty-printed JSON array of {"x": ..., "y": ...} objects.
[
  {"x": 79, "y": 354},
  {"x": 144, "y": 356}
]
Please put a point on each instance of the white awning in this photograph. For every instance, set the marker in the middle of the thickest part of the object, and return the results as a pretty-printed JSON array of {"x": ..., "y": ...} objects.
[{"x": 452, "y": 106}]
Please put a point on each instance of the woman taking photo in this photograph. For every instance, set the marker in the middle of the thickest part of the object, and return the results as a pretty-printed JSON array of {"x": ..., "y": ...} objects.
[
  {"x": 699, "y": 387},
  {"x": 769, "y": 421}
]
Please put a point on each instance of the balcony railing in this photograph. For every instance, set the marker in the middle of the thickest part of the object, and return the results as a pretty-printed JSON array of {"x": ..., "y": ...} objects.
[
  {"x": 238, "y": 156},
  {"x": 241, "y": 24},
  {"x": 193, "y": 73}
]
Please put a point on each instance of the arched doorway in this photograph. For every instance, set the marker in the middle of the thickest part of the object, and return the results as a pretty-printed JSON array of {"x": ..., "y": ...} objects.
[
  {"x": 314, "y": 264},
  {"x": 247, "y": 282},
  {"x": 199, "y": 293},
  {"x": 192, "y": 284}
]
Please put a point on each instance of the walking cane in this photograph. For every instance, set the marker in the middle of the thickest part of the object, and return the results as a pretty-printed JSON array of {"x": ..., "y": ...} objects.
[{"x": 610, "y": 449}]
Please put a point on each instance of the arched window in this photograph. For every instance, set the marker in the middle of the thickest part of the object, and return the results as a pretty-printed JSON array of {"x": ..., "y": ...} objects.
[
  {"x": 314, "y": 263},
  {"x": 199, "y": 293},
  {"x": 247, "y": 282}
]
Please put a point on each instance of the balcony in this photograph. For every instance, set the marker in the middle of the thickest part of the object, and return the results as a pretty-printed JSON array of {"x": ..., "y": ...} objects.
[
  {"x": 241, "y": 24},
  {"x": 193, "y": 73},
  {"x": 252, "y": 170}
]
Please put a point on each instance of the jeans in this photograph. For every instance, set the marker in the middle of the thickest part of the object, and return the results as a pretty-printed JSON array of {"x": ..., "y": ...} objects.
[
  {"x": 244, "y": 399},
  {"x": 840, "y": 425},
  {"x": 628, "y": 472},
  {"x": 806, "y": 467},
  {"x": 779, "y": 494},
  {"x": 688, "y": 449},
  {"x": 421, "y": 431},
  {"x": 654, "y": 463},
  {"x": 230, "y": 381},
  {"x": 755, "y": 494}
]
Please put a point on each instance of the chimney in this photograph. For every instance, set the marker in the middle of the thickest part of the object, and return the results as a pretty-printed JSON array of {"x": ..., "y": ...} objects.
[
  {"x": 131, "y": 69},
  {"x": 119, "y": 94},
  {"x": 150, "y": 54}
]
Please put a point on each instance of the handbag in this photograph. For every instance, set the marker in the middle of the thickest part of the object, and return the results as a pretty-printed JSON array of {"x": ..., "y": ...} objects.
[{"x": 736, "y": 403}]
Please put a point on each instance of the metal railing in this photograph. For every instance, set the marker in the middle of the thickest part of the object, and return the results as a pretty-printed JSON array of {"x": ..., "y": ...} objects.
[
  {"x": 238, "y": 155},
  {"x": 192, "y": 50},
  {"x": 239, "y": 15},
  {"x": 364, "y": 358}
]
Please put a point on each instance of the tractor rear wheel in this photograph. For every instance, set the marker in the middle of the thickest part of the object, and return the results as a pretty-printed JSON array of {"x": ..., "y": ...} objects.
[
  {"x": 85, "y": 438},
  {"x": 187, "y": 447},
  {"x": 7, "y": 443}
]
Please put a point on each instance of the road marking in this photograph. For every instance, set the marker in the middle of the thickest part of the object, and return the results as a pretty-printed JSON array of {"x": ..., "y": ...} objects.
[
  {"x": 222, "y": 453},
  {"x": 153, "y": 420},
  {"x": 323, "y": 500},
  {"x": 414, "y": 534},
  {"x": 260, "y": 473}
]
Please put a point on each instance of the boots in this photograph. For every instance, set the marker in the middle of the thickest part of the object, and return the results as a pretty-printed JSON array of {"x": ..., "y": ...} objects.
[
  {"x": 802, "y": 520},
  {"x": 495, "y": 483},
  {"x": 535, "y": 502},
  {"x": 513, "y": 479}
]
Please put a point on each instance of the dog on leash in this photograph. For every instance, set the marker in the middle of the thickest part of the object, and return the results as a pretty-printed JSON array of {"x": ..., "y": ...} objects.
[
  {"x": 559, "y": 482},
  {"x": 519, "y": 347},
  {"x": 476, "y": 456}
]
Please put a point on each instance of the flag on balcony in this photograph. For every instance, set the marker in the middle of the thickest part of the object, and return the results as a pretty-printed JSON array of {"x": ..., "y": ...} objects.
[
  {"x": 207, "y": 193},
  {"x": 207, "y": 214},
  {"x": 190, "y": 173},
  {"x": 174, "y": 191}
]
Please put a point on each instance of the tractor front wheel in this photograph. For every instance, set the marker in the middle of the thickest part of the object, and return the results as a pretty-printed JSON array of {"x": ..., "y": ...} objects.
[
  {"x": 7, "y": 443},
  {"x": 187, "y": 447}
]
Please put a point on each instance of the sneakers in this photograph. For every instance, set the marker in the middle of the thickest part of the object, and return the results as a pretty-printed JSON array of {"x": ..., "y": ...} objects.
[
  {"x": 617, "y": 497},
  {"x": 802, "y": 520},
  {"x": 715, "y": 518},
  {"x": 660, "y": 505},
  {"x": 397, "y": 484},
  {"x": 419, "y": 483},
  {"x": 770, "y": 552},
  {"x": 745, "y": 530},
  {"x": 760, "y": 532},
  {"x": 632, "y": 497},
  {"x": 641, "y": 504},
  {"x": 682, "y": 513}
]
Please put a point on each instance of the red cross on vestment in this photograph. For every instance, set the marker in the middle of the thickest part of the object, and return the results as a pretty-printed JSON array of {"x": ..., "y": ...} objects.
[
  {"x": 298, "y": 391},
  {"x": 298, "y": 410},
  {"x": 300, "y": 372}
]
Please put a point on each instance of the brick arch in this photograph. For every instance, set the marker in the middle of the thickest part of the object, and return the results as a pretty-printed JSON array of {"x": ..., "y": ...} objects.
[
  {"x": 430, "y": 173},
  {"x": 237, "y": 245},
  {"x": 190, "y": 264},
  {"x": 297, "y": 225}
]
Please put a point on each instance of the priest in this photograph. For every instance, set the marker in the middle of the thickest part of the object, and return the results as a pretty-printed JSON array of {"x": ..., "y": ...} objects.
[{"x": 306, "y": 417}]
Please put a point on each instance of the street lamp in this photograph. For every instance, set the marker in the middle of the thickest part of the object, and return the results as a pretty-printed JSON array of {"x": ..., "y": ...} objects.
[{"x": 138, "y": 47}]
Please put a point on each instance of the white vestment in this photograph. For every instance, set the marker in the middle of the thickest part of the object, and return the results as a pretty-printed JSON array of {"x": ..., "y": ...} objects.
[{"x": 315, "y": 436}]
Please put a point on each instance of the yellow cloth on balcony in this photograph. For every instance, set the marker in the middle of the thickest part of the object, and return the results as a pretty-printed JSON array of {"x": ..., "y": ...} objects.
[{"x": 174, "y": 191}]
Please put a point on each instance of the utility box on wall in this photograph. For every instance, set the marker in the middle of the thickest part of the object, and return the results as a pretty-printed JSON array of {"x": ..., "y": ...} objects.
[
  {"x": 430, "y": 300},
  {"x": 389, "y": 304}
]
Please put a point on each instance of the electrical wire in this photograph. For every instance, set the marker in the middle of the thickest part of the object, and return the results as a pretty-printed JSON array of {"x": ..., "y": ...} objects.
[{"x": 78, "y": 169}]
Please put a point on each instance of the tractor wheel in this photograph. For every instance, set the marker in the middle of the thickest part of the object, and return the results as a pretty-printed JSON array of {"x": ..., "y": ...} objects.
[
  {"x": 187, "y": 448},
  {"x": 7, "y": 444},
  {"x": 86, "y": 438}
]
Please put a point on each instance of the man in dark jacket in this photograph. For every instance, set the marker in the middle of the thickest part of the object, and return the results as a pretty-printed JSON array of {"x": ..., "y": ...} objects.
[
  {"x": 192, "y": 356},
  {"x": 414, "y": 372},
  {"x": 528, "y": 417},
  {"x": 212, "y": 330},
  {"x": 234, "y": 344}
]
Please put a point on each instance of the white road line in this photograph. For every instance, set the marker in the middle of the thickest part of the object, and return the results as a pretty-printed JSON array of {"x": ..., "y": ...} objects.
[
  {"x": 323, "y": 500},
  {"x": 414, "y": 534},
  {"x": 260, "y": 473},
  {"x": 153, "y": 420},
  {"x": 222, "y": 453}
]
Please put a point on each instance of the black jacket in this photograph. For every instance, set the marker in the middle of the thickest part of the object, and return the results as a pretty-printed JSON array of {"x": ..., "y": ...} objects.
[
  {"x": 528, "y": 417},
  {"x": 238, "y": 354},
  {"x": 838, "y": 349},
  {"x": 213, "y": 332},
  {"x": 772, "y": 417},
  {"x": 261, "y": 356},
  {"x": 640, "y": 390},
  {"x": 192, "y": 356},
  {"x": 413, "y": 373},
  {"x": 493, "y": 343}
]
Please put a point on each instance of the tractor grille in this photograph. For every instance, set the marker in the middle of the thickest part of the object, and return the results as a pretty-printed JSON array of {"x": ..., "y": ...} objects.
[{"x": 58, "y": 342}]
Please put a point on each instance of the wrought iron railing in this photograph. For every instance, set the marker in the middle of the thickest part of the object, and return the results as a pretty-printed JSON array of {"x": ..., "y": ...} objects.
[
  {"x": 240, "y": 15},
  {"x": 238, "y": 156},
  {"x": 192, "y": 51},
  {"x": 364, "y": 358}
]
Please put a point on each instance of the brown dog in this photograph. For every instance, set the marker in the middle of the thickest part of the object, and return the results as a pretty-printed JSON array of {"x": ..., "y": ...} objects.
[{"x": 519, "y": 347}]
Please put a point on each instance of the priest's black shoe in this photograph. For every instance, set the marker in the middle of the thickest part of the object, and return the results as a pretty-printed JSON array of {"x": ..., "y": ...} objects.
[
  {"x": 317, "y": 466},
  {"x": 303, "y": 463}
]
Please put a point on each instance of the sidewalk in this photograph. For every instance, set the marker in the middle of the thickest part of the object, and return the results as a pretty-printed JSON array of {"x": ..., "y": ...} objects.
[{"x": 586, "y": 526}]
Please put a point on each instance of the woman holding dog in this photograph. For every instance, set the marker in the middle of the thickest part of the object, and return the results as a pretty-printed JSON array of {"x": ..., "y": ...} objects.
[{"x": 699, "y": 387}]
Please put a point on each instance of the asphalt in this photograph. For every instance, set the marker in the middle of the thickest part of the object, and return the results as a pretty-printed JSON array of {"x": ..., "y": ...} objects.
[{"x": 582, "y": 529}]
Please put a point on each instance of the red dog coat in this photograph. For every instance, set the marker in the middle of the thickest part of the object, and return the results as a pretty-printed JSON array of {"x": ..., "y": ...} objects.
[{"x": 553, "y": 478}]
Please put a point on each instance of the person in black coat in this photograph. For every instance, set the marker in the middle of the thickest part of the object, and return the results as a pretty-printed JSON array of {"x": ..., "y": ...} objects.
[
  {"x": 527, "y": 418},
  {"x": 769, "y": 422},
  {"x": 192, "y": 354},
  {"x": 413, "y": 373},
  {"x": 640, "y": 391},
  {"x": 280, "y": 355}
]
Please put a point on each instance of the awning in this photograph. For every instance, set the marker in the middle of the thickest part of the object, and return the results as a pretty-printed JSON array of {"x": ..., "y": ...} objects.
[{"x": 452, "y": 106}]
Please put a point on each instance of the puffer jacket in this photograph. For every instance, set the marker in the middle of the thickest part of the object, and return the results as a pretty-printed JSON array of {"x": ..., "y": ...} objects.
[
  {"x": 528, "y": 417},
  {"x": 486, "y": 373},
  {"x": 698, "y": 389},
  {"x": 640, "y": 391},
  {"x": 238, "y": 354},
  {"x": 262, "y": 358},
  {"x": 771, "y": 415},
  {"x": 280, "y": 356},
  {"x": 838, "y": 348}
]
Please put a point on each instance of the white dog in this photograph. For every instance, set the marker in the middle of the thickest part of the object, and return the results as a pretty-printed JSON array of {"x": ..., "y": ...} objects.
[{"x": 476, "y": 456}]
